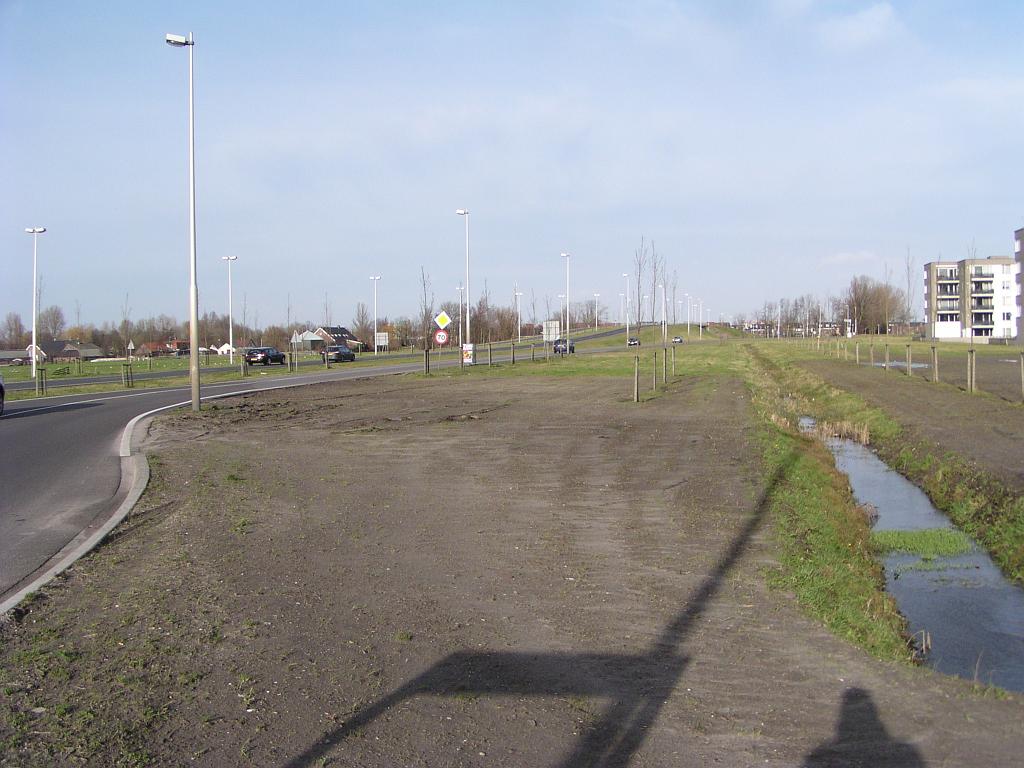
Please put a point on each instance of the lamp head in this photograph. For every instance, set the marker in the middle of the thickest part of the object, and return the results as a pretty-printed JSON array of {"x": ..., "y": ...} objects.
[
  {"x": 35, "y": 230},
  {"x": 229, "y": 258},
  {"x": 462, "y": 211},
  {"x": 178, "y": 41}
]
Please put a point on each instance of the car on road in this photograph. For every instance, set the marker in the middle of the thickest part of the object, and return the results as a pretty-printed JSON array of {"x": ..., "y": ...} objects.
[
  {"x": 632, "y": 341},
  {"x": 337, "y": 354},
  {"x": 677, "y": 339},
  {"x": 562, "y": 347},
  {"x": 264, "y": 355},
  {"x": 1, "y": 394}
]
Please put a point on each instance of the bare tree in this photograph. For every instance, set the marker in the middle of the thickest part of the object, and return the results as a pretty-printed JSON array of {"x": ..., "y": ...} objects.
[
  {"x": 640, "y": 256},
  {"x": 362, "y": 325},
  {"x": 51, "y": 322},
  {"x": 910, "y": 314},
  {"x": 14, "y": 334},
  {"x": 426, "y": 307}
]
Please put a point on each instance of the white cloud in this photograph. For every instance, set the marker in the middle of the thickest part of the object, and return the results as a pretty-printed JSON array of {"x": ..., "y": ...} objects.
[{"x": 863, "y": 29}]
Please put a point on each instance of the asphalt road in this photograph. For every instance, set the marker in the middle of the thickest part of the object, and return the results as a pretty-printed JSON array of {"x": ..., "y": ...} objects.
[{"x": 60, "y": 468}]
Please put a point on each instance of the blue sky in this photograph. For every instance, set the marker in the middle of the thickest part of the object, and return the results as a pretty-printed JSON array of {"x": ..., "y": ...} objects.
[{"x": 769, "y": 148}]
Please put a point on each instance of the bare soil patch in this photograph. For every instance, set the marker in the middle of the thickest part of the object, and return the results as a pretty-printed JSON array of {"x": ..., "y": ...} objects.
[{"x": 468, "y": 572}]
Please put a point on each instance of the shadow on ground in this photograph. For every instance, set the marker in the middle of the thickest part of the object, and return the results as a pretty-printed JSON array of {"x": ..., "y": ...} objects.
[{"x": 636, "y": 685}]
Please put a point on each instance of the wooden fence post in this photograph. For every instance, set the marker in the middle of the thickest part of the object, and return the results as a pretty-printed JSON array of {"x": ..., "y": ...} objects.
[
  {"x": 886, "y": 365},
  {"x": 654, "y": 379},
  {"x": 910, "y": 362},
  {"x": 935, "y": 364}
]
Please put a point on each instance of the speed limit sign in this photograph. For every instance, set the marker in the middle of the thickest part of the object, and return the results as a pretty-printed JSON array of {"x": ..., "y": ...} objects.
[{"x": 441, "y": 337}]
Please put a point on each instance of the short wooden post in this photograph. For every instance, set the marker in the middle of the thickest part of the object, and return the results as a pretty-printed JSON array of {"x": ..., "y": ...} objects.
[
  {"x": 488, "y": 354},
  {"x": 664, "y": 365},
  {"x": 886, "y": 366},
  {"x": 971, "y": 384},
  {"x": 533, "y": 353},
  {"x": 935, "y": 364},
  {"x": 910, "y": 360},
  {"x": 673, "y": 362},
  {"x": 512, "y": 345},
  {"x": 636, "y": 379},
  {"x": 871, "y": 349},
  {"x": 426, "y": 360},
  {"x": 243, "y": 366},
  {"x": 856, "y": 352},
  {"x": 654, "y": 370},
  {"x": 40, "y": 379}
]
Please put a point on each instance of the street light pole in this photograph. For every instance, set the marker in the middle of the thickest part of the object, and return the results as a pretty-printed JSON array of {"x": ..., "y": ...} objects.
[
  {"x": 374, "y": 279},
  {"x": 178, "y": 41},
  {"x": 596, "y": 297},
  {"x": 35, "y": 232},
  {"x": 519, "y": 317},
  {"x": 664, "y": 317},
  {"x": 626, "y": 275},
  {"x": 566, "y": 257},
  {"x": 460, "y": 289},
  {"x": 687, "y": 315},
  {"x": 231, "y": 323},
  {"x": 469, "y": 335}
]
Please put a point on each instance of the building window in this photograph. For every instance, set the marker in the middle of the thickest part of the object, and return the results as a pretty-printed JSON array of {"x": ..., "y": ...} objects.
[{"x": 1007, "y": 316}]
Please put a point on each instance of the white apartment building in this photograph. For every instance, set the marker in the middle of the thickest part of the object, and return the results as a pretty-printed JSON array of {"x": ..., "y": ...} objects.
[
  {"x": 976, "y": 299},
  {"x": 1018, "y": 253}
]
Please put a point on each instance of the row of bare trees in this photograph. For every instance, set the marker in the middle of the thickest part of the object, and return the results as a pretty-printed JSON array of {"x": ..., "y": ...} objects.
[{"x": 866, "y": 305}]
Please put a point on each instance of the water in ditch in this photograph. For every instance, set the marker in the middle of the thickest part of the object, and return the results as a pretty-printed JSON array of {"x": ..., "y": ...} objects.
[{"x": 975, "y": 617}]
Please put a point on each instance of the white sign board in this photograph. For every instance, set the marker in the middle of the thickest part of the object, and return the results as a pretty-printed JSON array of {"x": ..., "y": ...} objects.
[
  {"x": 381, "y": 339},
  {"x": 468, "y": 354},
  {"x": 552, "y": 330},
  {"x": 442, "y": 320}
]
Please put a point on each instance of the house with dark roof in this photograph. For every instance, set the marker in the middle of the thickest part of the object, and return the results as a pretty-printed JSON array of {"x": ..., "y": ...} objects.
[{"x": 336, "y": 334}]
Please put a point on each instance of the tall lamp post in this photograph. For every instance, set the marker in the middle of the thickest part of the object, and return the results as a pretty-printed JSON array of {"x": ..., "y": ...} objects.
[
  {"x": 35, "y": 232},
  {"x": 626, "y": 275},
  {"x": 664, "y": 317},
  {"x": 596, "y": 297},
  {"x": 231, "y": 323},
  {"x": 179, "y": 41},
  {"x": 469, "y": 335},
  {"x": 566, "y": 257},
  {"x": 519, "y": 318},
  {"x": 374, "y": 279},
  {"x": 460, "y": 289},
  {"x": 687, "y": 315}
]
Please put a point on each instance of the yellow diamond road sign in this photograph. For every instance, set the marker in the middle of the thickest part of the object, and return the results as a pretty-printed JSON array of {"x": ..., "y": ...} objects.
[{"x": 442, "y": 320}]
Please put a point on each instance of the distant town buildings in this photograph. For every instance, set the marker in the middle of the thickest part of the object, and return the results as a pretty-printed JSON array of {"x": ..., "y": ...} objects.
[{"x": 974, "y": 299}]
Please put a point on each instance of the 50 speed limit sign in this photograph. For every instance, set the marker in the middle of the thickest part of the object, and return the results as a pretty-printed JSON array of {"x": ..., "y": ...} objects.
[{"x": 441, "y": 337}]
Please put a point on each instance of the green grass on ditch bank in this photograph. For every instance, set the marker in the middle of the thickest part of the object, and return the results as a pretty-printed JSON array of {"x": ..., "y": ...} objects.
[
  {"x": 975, "y": 501},
  {"x": 927, "y": 543}
]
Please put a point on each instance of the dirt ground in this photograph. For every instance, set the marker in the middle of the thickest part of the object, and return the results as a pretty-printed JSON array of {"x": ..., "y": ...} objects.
[
  {"x": 463, "y": 572},
  {"x": 983, "y": 428}
]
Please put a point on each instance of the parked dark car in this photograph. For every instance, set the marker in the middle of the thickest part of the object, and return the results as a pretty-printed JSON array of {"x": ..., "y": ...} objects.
[
  {"x": 264, "y": 355},
  {"x": 632, "y": 341},
  {"x": 337, "y": 354},
  {"x": 562, "y": 347}
]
